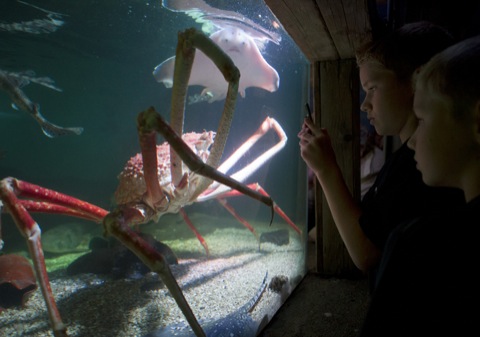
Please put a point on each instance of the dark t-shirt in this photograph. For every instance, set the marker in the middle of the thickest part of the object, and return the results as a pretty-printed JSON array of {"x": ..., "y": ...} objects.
[
  {"x": 399, "y": 195},
  {"x": 427, "y": 283}
]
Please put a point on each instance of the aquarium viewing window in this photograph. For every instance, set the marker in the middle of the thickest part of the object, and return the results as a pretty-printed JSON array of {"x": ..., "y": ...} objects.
[{"x": 222, "y": 219}]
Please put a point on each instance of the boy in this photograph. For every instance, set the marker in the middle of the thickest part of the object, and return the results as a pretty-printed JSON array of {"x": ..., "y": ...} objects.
[{"x": 386, "y": 67}]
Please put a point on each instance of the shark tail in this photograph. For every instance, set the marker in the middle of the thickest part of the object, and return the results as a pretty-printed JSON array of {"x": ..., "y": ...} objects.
[
  {"x": 254, "y": 301},
  {"x": 51, "y": 130}
]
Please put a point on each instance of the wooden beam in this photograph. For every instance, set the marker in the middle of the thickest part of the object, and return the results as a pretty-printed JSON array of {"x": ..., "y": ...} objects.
[
  {"x": 339, "y": 113},
  {"x": 328, "y": 32},
  {"x": 318, "y": 193}
]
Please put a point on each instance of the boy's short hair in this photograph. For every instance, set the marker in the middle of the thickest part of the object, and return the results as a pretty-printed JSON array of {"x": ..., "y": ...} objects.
[
  {"x": 406, "y": 49},
  {"x": 455, "y": 74}
]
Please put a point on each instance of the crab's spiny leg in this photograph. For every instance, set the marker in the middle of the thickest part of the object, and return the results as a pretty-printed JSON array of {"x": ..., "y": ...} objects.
[
  {"x": 232, "y": 211},
  {"x": 194, "y": 230},
  {"x": 232, "y": 75},
  {"x": 155, "y": 197},
  {"x": 260, "y": 189},
  {"x": 268, "y": 124},
  {"x": 188, "y": 42},
  {"x": 116, "y": 226},
  {"x": 184, "y": 57},
  {"x": 49, "y": 201},
  {"x": 31, "y": 231}
]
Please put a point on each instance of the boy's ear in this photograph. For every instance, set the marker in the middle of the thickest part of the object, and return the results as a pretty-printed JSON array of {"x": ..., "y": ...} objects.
[{"x": 415, "y": 77}]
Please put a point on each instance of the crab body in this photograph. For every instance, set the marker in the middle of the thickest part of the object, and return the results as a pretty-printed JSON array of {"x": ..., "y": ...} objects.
[{"x": 132, "y": 187}]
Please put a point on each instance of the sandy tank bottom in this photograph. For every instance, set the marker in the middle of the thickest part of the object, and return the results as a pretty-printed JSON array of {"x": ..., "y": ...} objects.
[{"x": 95, "y": 305}]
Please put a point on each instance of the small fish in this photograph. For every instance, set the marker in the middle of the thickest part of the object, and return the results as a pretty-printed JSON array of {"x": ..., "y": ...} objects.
[
  {"x": 12, "y": 86},
  {"x": 25, "y": 77},
  {"x": 37, "y": 26},
  {"x": 198, "y": 98},
  {"x": 236, "y": 324},
  {"x": 279, "y": 237}
]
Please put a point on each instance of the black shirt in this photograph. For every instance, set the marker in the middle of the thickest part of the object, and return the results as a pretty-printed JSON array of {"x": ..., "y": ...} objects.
[
  {"x": 399, "y": 195},
  {"x": 427, "y": 283}
]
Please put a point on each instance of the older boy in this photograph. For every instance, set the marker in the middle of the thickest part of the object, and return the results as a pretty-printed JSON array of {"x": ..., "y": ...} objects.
[{"x": 386, "y": 67}]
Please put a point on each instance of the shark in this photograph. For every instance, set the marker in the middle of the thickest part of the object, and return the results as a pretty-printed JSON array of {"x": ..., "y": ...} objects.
[
  {"x": 254, "y": 70},
  {"x": 240, "y": 38},
  {"x": 236, "y": 324},
  {"x": 12, "y": 86}
]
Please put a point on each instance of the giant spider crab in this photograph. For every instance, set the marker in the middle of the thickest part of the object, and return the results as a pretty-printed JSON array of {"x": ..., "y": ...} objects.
[{"x": 147, "y": 190}]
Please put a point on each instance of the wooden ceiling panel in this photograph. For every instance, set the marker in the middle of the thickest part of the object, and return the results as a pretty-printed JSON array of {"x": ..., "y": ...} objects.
[
  {"x": 323, "y": 29},
  {"x": 304, "y": 23}
]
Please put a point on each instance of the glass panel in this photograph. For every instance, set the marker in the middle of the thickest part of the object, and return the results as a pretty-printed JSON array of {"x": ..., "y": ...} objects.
[{"x": 90, "y": 64}]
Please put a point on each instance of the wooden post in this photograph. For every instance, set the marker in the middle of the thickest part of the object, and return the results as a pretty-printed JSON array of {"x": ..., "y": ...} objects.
[
  {"x": 336, "y": 102},
  {"x": 328, "y": 32}
]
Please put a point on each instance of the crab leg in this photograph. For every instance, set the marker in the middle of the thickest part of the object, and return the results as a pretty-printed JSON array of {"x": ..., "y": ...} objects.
[
  {"x": 188, "y": 41},
  {"x": 52, "y": 202},
  {"x": 194, "y": 230},
  {"x": 155, "y": 197},
  {"x": 232, "y": 211},
  {"x": 219, "y": 190},
  {"x": 268, "y": 124},
  {"x": 260, "y": 189},
  {"x": 117, "y": 225}
]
